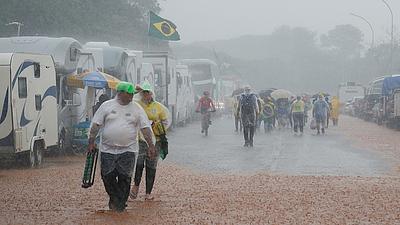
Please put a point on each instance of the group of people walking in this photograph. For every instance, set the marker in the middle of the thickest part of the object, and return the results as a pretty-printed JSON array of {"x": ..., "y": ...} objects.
[
  {"x": 250, "y": 111},
  {"x": 123, "y": 122},
  {"x": 133, "y": 132}
]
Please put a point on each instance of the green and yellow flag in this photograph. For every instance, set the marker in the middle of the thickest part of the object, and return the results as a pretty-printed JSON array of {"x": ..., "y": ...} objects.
[{"x": 162, "y": 28}]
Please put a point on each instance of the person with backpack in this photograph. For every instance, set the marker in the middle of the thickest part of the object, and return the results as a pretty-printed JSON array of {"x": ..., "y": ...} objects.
[
  {"x": 248, "y": 110},
  {"x": 268, "y": 114}
]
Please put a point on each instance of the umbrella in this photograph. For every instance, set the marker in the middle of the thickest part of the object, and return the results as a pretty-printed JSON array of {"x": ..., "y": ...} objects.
[
  {"x": 318, "y": 94},
  {"x": 281, "y": 93},
  {"x": 266, "y": 93},
  {"x": 237, "y": 91},
  {"x": 93, "y": 79}
]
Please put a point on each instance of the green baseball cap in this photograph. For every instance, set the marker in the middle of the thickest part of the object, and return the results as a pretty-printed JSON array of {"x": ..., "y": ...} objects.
[{"x": 125, "y": 87}]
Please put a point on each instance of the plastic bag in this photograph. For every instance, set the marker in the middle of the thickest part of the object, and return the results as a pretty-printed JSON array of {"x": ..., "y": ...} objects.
[{"x": 313, "y": 124}]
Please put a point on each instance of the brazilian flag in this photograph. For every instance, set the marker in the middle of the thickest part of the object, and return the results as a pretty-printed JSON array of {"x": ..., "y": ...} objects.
[{"x": 162, "y": 28}]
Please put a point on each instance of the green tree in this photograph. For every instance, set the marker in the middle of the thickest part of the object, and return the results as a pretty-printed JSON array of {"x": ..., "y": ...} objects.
[
  {"x": 121, "y": 22},
  {"x": 344, "y": 40}
]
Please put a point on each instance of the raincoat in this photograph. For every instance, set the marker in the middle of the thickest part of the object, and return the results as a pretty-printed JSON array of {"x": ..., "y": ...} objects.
[{"x": 335, "y": 108}]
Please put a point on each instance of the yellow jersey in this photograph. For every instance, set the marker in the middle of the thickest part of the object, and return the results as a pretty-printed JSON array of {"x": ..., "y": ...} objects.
[{"x": 157, "y": 114}]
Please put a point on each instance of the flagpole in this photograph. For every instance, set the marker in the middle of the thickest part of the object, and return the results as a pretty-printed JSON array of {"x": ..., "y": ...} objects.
[{"x": 148, "y": 31}]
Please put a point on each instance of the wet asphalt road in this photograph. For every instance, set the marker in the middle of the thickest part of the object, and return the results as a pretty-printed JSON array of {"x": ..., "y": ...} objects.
[{"x": 280, "y": 152}]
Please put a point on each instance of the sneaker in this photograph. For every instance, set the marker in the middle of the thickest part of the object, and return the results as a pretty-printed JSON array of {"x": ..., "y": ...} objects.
[
  {"x": 323, "y": 131},
  {"x": 246, "y": 144},
  {"x": 209, "y": 122},
  {"x": 251, "y": 144},
  {"x": 202, "y": 131}
]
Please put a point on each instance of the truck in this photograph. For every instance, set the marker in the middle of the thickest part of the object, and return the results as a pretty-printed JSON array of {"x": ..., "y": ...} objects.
[
  {"x": 391, "y": 101},
  {"x": 28, "y": 96},
  {"x": 347, "y": 91}
]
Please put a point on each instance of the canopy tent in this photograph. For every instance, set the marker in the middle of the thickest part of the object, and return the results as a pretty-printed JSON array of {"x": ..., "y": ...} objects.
[
  {"x": 93, "y": 79},
  {"x": 281, "y": 93}
]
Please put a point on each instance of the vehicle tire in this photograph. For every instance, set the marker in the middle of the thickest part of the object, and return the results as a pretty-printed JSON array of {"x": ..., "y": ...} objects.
[
  {"x": 30, "y": 158},
  {"x": 38, "y": 153}
]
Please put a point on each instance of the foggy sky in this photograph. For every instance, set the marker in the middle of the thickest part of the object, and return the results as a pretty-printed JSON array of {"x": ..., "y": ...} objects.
[{"x": 200, "y": 20}]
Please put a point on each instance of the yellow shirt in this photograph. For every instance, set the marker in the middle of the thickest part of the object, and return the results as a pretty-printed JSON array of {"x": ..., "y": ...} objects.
[
  {"x": 298, "y": 106},
  {"x": 157, "y": 114}
]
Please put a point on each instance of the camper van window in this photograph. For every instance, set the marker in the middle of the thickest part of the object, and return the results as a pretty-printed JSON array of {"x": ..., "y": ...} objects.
[
  {"x": 73, "y": 56},
  {"x": 138, "y": 75},
  {"x": 179, "y": 79},
  {"x": 38, "y": 102},
  {"x": 22, "y": 88},
  {"x": 37, "y": 70},
  {"x": 157, "y": 77}
]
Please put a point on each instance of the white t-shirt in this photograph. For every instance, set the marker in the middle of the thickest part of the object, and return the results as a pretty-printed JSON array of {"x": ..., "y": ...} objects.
[{"x": 120, "y": 126}]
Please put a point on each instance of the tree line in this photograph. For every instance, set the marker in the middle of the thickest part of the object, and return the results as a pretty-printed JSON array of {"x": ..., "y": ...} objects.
[
  {"x": 300, "y": 59},
  {"x": 121, "y": 22}
]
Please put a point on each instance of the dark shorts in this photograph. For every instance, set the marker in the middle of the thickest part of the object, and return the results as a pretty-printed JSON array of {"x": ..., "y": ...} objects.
[
  {"x": 249, "y": 119},
  {"x": 320, "y": 118},
  {"x": 123, "y": 163}
]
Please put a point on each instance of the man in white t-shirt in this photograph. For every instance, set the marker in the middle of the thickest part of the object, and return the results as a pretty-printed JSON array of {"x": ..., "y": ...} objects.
[{"x": 120, "y": 120}]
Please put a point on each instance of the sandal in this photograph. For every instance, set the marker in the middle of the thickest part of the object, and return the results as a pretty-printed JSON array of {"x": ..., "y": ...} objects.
[{"x": 149, "y": 197}]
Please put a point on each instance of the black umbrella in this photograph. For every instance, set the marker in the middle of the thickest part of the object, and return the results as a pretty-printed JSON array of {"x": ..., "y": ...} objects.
[
  {"x": 237, "y": 91},
  {"x": 318, "y": 94},
  {"x": 266, "y": 93}
]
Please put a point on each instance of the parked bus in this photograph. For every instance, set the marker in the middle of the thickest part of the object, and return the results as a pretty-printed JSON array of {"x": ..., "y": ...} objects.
[{"x": 204, "y": 75}]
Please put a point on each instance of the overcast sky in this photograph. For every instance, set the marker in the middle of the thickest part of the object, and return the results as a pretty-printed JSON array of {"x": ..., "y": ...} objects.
[{"x": 199, "y": 20}]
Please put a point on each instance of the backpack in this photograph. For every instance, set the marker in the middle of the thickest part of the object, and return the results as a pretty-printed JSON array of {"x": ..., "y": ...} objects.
[
  {"x": 247, "y": 103},
  {"x": 268, "y": 111}
]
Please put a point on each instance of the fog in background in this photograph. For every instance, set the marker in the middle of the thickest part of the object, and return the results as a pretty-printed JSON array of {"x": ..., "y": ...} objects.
[
  {"x": 306, "y": 46},
  {"x": 201, "y": 20}
]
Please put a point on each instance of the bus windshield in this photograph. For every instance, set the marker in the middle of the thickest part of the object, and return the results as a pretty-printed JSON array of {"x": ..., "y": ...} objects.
[{"x": 200, "y": 72}]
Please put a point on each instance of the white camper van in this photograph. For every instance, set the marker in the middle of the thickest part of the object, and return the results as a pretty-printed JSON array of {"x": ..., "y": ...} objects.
[
  {"x": 65, "y": 52},
  {"x": 185, "y": 95},
  {"x": 165, "y": 86},
  {"x": 118, "y": 62},
  {"x": 28, "y": 92}
]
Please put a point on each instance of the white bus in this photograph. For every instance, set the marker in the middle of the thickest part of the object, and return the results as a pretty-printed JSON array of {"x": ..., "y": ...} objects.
[{"x": 204, "y": 76}]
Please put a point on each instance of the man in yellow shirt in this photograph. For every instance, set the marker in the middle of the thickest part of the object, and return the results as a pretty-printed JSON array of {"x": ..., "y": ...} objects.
[
  {"x": 297, "y": 110},
  {"x": 158, "y": 116}
]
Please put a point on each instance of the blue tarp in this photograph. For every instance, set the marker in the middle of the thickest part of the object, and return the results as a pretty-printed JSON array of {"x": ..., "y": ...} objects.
[{"x": 390, "y": 84}]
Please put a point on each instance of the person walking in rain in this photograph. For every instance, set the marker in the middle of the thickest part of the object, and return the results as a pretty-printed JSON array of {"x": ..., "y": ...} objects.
[
  {"x": 120, "y": 120},
  {"x": 248, "y": 109},
  {"x": 158, "y": 116},
  {"x": 297, "y": 112},
  {"x": 238, "y": 122},
  {"x": 320, "y": 112},
  {"x": 335, "y": 110}
]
